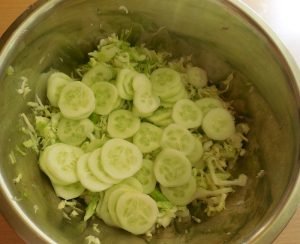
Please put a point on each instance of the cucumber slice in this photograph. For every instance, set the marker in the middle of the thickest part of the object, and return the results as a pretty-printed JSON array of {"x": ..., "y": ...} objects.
[
  {"x": 197, "y": 77},
  {"x": 68, "y": 192},
  {"x": 95, "y": 165},
  {"x": 208, "y": 103},
  {"x": 160, "y": 116},
  {"x": 172, "y": 168},
  {"x": 87, "y": 178},
  {"x": 187, "y": 114},
  {"x": 106, "y": 96},
  {"x": 113, "y": 198},
  {"x": 132, "y": 183},
  {"x": 146, "y": 176},
  {"x": 197, "y": 152},
  {"x": 141, "y": 82},
  {"x": 181, "y": 195},
  {"x": 139, "y": 114},
  {"x": 177, "y": 137},
  {"x": 136, "y": 212},
  {"x": 76, "y": 101},
  {"x": 148, "y": 137},
  {"x": 55, "y": 84},
  {"x": 124, "y": 83},
  {"x": 43, "y": 167},
  {"x": 100, "y": 72},
  {"x": 166, "y": 82},
  {"x": 61, "y": 160},
  {"x": 145, "y": 101},
  {"x": 218, "y": 124},
  {"x": 121, "y": 159},
  {"x": 122, "y": 124},
  {"x": 102, "y": 209},
  {"x": 74, "y": 132}
]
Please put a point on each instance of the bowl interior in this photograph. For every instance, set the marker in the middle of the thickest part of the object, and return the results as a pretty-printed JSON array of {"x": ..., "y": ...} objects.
[{"x": 221, "y": 38}]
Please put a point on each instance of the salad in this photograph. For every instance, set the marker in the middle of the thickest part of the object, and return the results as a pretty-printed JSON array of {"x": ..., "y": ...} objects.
[{"x": 139, "y": 136}]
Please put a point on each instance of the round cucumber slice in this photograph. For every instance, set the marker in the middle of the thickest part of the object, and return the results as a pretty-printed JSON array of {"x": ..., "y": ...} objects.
[
  {"x": 106, "y": 96},
  {"x": 148, "y": 137},
  {"x": 197, "y": 77},
  {"x": 61, "y": 160},
  {"x": 161, "y": 115},
  {"x": 74, "y": 132},
  {"x": 181, "y": 195},
  {"x": 208, "y": 103},
  {"x": 107, "y": 52},
  {"x": 113, "y": 198},
  {"x": 121, "y": 159},
  {"x": 177, "y": 137},
  {"x": 70, "y": 191},
  {"x": 136, "y": 212},
  {"x": 132, "y": 183},
  {"x": 145, "y": 101},
  {"x": 102, "y": 209},
  {"x": 187, "y": 114},
  {"x": 164, "y": 81},
  {"x": 122, "y": 124},
  {"x": 124, "y": 83},
  {"x": 218, "y": 124},
  {"x": 197, "y": 152},
  {"x": 100, "y": 72},
  {"x": 87, "y": 178},
  {"x": 141, "y": 82},
  {"x": 55, "y": 84},
  {"x": 146, "y": 176},
  {"x": 43, "y": 167},
  {"x": 76, "y": 101},
  {"x": 172, "y": 168},
  {"x": 95, "y": 165}
]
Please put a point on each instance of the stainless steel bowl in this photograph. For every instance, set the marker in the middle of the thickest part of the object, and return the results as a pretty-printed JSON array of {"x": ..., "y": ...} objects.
[{"x": 222, "y": 36}]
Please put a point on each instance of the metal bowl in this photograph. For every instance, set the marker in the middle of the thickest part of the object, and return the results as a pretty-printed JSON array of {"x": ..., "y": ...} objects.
[{"x": 223, "y": 36}]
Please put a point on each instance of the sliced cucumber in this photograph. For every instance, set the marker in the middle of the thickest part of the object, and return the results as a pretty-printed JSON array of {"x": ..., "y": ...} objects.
[
  {"x": 148, "y": 137},
  {"x": 145, "y": 101},
  {"x": 74, "y": 132},
  {"x": 95, "y": 166},
  {"x": 102, "y": 209},
  {"x": 61, "y": 160},
  {"x": 177, "y": 137},
  {"x": 121, "y": 159},
  {"x": 166, "y": 82},
  {"x": 161, "y": 117},
  {"x": 141, "y": 82},
  {"x": 136, "y": 212},
  {"x": 187, "y": 114},
  {"x": 218, "y": 124},
  {"x": 107, "y": 52},
  {"x": 132, "y": 183},
  {"x": 43, "y": 166},
  {"x": 76, "y": 101},
  {"x": 122, "y": 124},
  {"x": 68, "y": 192},
  {"x": 100, "y": 72},
  {"x": 208, "y": 103},
  {"x": 124, "y": 83},
  {"x": 87, "y": 178},
  {"x": 181, "y": 195},
  {"x": 113, "y": 198},
  {"x": 197, "y": 152},
  {"x": 55, "y": 84},
  {"x": 146, "y": 176},
  {"x": 172, "y": 168},
  {"x": 197, "y": 77},
  {"x": 106, "y": 96}
]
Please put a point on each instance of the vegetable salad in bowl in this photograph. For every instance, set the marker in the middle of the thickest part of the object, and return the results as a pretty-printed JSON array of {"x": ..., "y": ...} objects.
[{"x": 139, "y": 137}]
